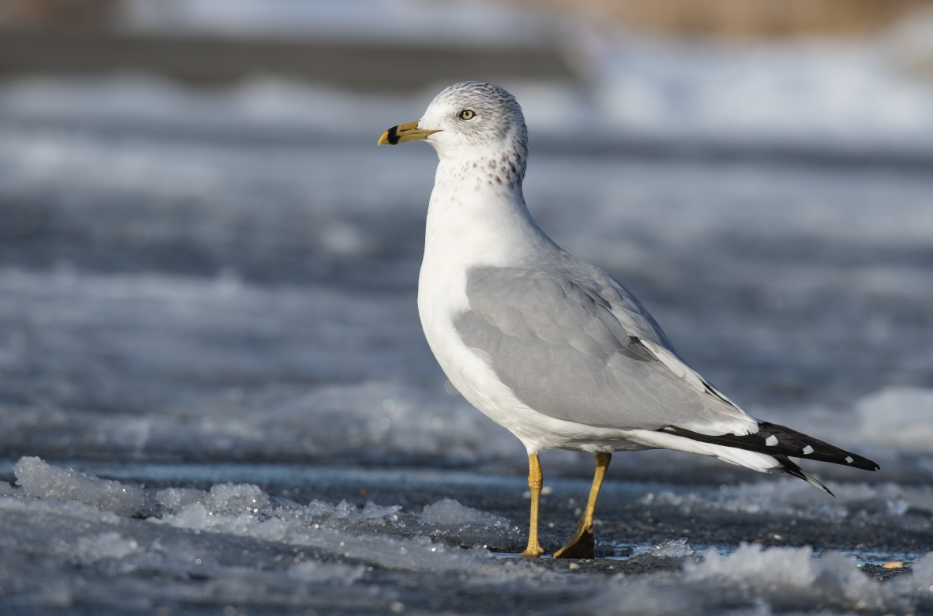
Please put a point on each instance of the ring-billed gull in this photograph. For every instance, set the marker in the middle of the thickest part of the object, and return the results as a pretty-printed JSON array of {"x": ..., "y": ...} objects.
[{"x": 549, "y": 346}]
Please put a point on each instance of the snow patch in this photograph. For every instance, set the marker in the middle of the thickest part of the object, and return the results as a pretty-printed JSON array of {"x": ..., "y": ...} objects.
[
  {"x": 41, "y": 480},
  {"x": 449, "y": 512},
  {"x": 447, "y": 519}
]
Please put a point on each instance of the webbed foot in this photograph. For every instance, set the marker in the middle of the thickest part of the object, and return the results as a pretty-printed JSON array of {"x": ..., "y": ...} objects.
[{"x": 582, "y": 545}]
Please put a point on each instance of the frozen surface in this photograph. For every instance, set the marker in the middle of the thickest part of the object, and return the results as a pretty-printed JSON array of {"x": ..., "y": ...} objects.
[
  {"x": 237, "y": 545},
  {"x": 776, "y": 580},
  {"x": 40, "y": 480},
  {"x": 215, "y": 395}
]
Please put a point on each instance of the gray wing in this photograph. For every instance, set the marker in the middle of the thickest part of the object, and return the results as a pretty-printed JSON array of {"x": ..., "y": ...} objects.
[{"x": 574, "y": 344}]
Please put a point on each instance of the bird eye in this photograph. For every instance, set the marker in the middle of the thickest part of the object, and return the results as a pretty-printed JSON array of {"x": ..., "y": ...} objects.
[{"x": 467, "y": 114}]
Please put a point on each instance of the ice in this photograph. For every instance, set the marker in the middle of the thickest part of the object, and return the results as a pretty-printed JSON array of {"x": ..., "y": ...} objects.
[
  {"x": 775, "y": 580},
  {"x": 109, "y": 544},
  {"x": 675, "y": 548},
  {"x": 783, "y": 568},
  {"x": 217, "y": 533},
  {"x": 310, "y": 571},
  {"x": 44, "y": 481},
  {"x": 447, "y": 519},
  {"x": 78, "y": 533},
  {"x": 639, "y": 598},
  {"x": 898, "y": 417},
  {"x": 172, "y": 500},
  {"x": 886, "y": 503},
  {"x": 323, "y": 526},
  {"x": 664, "y": 554},
  {"x": 449, "y": 512},
  {"x": 228, "y": 498}
]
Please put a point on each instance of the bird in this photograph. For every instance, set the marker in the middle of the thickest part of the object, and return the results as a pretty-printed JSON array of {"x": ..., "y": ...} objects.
[{"x": 547, "y": 345}]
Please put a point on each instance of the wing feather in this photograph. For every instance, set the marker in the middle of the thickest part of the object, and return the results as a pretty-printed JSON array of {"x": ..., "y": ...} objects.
[{"x": 574, "y": 344}]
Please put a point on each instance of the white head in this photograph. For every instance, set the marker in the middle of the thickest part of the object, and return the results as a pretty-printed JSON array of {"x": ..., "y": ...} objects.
[{"x": 472, "y": 121}]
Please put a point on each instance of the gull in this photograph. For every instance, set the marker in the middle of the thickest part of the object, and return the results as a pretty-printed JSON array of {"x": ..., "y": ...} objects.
[{"x": 547, "y": 345}]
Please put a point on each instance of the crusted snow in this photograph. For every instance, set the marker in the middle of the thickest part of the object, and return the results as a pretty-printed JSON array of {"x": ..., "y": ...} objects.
[
  {"x": 49, "y": 482},
  {"x": 317, "y": 548}
]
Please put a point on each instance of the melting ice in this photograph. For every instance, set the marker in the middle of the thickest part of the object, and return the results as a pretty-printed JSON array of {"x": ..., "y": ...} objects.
[{"x": 236, "y": 544}]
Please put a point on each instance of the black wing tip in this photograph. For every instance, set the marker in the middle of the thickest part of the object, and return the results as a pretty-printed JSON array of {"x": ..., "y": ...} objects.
[
  {"x": 780, "y": 441},
  {"x": 818, "y": 450},
  {"x": 792, "y": 469},
  {"x": 864, "y": 464}
]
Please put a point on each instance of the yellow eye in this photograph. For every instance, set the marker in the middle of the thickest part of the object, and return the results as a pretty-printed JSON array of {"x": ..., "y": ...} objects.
[{"x": 467, "y": 114}]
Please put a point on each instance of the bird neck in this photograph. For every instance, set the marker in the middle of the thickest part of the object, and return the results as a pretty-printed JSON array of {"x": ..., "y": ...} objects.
[{"x": 478, "y": 212}]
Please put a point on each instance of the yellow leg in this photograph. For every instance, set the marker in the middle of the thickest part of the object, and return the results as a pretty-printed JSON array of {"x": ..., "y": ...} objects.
[
  {"x": 583, "y": 544},
  {"x": 535, "y": 481}
]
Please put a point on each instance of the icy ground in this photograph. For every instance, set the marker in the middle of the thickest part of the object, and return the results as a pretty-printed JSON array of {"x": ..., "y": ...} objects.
[
  {"x": 207, "y": 310},
  {"x": 74, "y": 543}
]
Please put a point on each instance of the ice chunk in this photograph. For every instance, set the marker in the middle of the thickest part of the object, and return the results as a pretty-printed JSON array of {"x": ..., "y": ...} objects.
[
  {"x": 452, "y": 522},
  {"x": 311, "y": 571},
  {"x": 787, "y": 566},
  {"x": 237, "y": 498},
  {"x": 49, "y": 482},
  {"x": 675, "y": 548},
  {"x": 172, "y": 500},
  {"x": 777, "y": 580},
  {"x": 667, "y": 555},
  {"x": 449, "y": 512},
  {"x": 788, "y": 577},
  {"x": 376, "y": 515}
]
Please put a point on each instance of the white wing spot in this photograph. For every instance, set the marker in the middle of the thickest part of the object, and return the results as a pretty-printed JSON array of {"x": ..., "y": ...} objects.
[
  {"x": 771, "y": 441},
  {"x": 849, "y": 459},
  {"x": 807, "y": 450}
]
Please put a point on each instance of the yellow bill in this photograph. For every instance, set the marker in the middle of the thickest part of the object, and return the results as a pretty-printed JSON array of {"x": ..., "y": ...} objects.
[{"x": 405, "y": 132}]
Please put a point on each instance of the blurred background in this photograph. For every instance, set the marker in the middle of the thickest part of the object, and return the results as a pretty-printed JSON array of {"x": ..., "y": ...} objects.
[
  {"x": 203, "y": 255},
  {"x": 208, "y": 274}
]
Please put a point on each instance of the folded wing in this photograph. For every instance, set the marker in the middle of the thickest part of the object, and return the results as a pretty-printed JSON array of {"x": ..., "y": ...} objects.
[{"x": 573, "y": 344}]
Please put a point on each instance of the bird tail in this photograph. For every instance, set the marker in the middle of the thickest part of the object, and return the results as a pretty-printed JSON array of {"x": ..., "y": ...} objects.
[{"x": 779, "y": 442}]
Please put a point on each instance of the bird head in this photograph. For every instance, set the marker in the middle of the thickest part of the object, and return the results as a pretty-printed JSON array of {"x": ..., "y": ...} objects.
[{"x": 468, "y": 121}]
